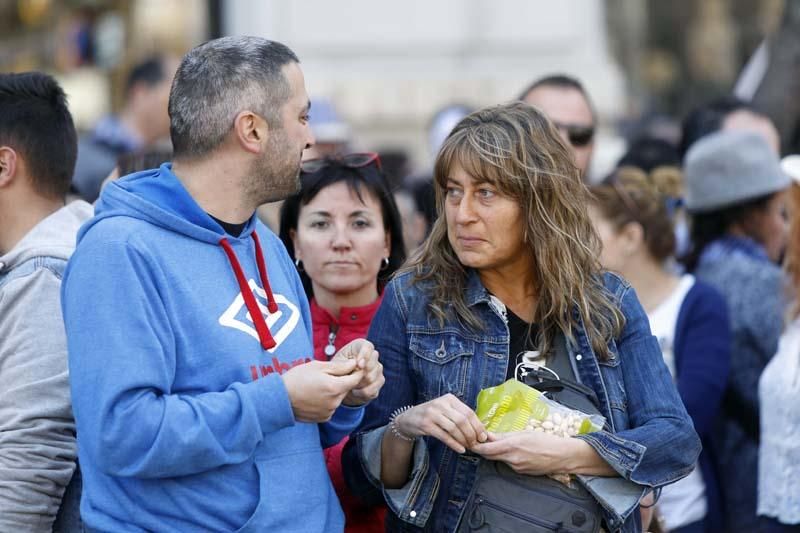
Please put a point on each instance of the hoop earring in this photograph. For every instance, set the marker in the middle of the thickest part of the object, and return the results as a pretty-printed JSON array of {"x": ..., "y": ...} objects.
[
  {"x": 384, "y": 263},
  {"x": 299, "y": 265}
]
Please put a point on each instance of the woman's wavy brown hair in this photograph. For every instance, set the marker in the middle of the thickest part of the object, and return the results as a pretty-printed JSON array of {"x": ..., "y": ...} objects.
[{"x": 516, "y": 149}]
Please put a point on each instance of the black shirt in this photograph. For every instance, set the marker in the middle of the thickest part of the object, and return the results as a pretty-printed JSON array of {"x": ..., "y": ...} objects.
[
  {"x": 231, "y": 229},
  {"x": 522, "y": 338}
]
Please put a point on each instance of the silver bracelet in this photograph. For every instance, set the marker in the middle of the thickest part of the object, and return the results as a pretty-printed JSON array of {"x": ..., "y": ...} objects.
[{"x": 393, "y": 424}]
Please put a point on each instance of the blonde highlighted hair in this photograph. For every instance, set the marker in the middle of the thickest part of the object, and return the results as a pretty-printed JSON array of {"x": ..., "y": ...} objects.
[{"x": 517, "y": 150}]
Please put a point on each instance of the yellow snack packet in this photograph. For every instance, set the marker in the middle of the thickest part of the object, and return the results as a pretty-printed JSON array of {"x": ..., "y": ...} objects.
[{"x": 514, "y": 406}]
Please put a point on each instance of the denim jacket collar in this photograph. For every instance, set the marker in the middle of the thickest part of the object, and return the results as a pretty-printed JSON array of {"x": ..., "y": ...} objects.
[{"x": 475, "y": 291}]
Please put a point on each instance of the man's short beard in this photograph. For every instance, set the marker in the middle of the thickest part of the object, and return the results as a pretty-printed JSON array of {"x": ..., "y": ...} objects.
[
  {"x": 264, "y": 185},
  {"x": 268, "y": 179}
]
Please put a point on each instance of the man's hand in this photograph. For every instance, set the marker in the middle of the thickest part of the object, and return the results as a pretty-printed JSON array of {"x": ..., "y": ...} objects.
[
  {"x": 316, "y": 389},
  {"x": 366, "y": 358}
]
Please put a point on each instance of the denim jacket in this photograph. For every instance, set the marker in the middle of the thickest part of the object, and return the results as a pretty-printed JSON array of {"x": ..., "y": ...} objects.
[{"x": 651, "y": 442}]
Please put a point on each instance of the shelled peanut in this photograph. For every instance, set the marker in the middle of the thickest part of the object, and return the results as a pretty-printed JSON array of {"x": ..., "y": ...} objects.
[{"x": 562, "y": 425}]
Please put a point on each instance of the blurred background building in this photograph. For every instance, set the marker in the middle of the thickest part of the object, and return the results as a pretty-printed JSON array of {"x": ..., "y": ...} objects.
[{"x": 381, "y": 69}]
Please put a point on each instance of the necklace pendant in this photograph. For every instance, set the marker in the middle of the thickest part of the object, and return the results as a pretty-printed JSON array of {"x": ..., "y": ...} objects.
[{"x": 330, "y": 349}]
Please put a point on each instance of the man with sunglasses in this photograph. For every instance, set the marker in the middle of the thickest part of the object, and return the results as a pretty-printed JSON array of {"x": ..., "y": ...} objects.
[
  {"x": 196, "y": 397},
  {"x": 564, "y": 100}
]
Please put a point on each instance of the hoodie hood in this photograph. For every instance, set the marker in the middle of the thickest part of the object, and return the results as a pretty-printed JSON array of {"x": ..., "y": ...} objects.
[
  {"x": 53, "y": 236},
  {"x": 158, "y": 197}
]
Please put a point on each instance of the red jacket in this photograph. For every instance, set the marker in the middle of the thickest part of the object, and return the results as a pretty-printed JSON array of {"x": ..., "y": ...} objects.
[{"x": 352, "y": 323}]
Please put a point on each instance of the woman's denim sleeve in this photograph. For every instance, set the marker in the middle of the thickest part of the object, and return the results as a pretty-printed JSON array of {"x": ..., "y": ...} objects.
[
  {"x": 661, "y": 445},
  {"x": 361, "y": 459}
]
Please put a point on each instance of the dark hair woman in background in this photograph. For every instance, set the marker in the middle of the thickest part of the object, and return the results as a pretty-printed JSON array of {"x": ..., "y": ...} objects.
[{"x": 343, "y": 231}]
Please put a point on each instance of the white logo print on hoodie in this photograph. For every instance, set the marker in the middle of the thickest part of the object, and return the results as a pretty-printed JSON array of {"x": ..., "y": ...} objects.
[{"x": 232, "y": 317}]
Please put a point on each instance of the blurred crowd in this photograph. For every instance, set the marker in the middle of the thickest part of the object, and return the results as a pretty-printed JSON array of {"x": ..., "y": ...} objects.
[{"x": 111, "y": 374}]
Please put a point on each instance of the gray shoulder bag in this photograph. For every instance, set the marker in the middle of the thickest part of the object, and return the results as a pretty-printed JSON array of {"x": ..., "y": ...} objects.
[{"x": 505, "y": 501}]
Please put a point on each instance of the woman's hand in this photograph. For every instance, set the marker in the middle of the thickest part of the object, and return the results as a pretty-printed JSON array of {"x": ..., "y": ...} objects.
[
  {"x": 536, "y": 454},
  {"x": 366, "y": 357},
  {"x": 447, "y": 419}
]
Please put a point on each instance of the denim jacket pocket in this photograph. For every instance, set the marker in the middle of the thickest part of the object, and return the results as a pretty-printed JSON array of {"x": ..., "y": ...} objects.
[
  {"x": 442, "y": 363},
  {"x": 611, "y": 370}
]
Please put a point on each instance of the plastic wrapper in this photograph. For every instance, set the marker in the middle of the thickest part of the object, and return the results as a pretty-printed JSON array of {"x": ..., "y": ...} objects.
[{"x": 514, "y": 406}]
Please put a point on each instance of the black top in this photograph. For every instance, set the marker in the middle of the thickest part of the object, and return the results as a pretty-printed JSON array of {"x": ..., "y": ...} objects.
[
  {"x": 233, "y": 230},
  {"x": 522, "y": 338}
]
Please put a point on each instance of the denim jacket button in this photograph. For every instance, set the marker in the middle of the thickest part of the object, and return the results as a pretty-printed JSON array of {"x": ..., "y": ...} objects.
[
  {"x": 412, "y": 514},
  {"x": 578, "y": 357}
]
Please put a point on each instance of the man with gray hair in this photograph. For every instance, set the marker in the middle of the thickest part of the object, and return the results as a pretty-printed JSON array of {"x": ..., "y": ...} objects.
[{"x": 196, "y": 397}]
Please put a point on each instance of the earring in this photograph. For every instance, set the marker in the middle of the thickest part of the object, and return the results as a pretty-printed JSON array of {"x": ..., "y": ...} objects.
[
  {"x": 384, "y": 263},
  {"x": 299, "y": 265}
]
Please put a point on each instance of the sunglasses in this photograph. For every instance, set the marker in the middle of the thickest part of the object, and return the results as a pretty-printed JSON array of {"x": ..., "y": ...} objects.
[
  {"x": 359, "y": 160},
  {"x": 579, "y": 136}
]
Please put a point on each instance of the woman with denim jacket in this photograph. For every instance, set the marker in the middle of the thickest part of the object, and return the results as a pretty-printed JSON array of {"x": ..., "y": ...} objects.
[{"x": 513, "y": 244}]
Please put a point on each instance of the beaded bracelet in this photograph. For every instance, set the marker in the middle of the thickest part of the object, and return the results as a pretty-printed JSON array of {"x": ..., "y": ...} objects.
[{"x": 393, "y": 424}]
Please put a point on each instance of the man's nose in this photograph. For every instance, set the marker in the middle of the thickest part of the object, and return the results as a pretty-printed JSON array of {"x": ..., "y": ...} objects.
[{"x": 310, "y": 139}]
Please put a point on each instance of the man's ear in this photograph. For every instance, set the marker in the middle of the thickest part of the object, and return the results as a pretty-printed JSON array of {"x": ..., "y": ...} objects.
[
  {"x": 8, "y": 165},
  {"x": 250, "y": 131}
]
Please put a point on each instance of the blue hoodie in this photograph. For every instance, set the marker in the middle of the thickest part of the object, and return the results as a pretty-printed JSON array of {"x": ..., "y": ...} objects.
[{"x": 183, "y": 420}]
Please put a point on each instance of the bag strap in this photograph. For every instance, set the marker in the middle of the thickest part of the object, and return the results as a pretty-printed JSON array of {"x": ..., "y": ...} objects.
[
  {"x": 561, "y": 368},
  {"x": 559, "y": 385}
]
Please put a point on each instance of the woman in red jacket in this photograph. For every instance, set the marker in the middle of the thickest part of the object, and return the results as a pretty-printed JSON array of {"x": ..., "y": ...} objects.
[{"x": 344, "y": 233}]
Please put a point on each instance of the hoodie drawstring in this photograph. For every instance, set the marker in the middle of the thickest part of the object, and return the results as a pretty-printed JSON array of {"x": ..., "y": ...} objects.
[
  {"x": 262, "y": 271},
  {"x": 267, "y": 342}
]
